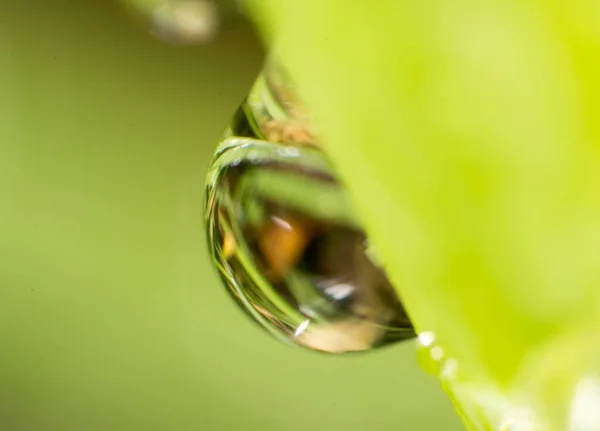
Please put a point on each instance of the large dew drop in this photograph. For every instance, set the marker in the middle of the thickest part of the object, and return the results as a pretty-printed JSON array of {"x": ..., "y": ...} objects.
[{"x": 286, "y": 240}]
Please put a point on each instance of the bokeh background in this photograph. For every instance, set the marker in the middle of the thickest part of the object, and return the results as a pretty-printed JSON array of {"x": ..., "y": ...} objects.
[{"x": 111, "y": 317}]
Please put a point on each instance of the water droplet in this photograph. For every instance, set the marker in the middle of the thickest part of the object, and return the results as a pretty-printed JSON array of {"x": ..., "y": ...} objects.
[
  {"x": 286, "y": 240},
  {"x": 429, "y": 354},
  {"x": 479, "y": 404},
  {"x": 186, "y": 21}
]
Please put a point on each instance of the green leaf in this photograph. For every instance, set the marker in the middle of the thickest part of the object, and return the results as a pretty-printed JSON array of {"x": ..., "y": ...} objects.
[{"x": 468, "y": 134}]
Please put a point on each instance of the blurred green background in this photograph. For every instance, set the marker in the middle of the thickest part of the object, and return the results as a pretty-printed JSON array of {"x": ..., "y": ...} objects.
[{"x": 111, "y": 317}]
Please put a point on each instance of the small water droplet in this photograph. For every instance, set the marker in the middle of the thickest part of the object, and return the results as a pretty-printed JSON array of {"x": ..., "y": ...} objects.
[
  {"x": 186, "y": 21},
  {"x": 426, "y": 339},
  {"x": 479, "y": 405},
  {"x": 288, "y": 244},
  {"x": 429, "y": 354},
  {"x": 519, "y": 420}
]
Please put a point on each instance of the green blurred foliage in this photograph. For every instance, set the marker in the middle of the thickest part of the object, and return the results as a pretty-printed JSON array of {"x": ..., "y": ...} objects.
[
  {"x": 111, "y": 316},
  {"x": 468, "y": 134}
]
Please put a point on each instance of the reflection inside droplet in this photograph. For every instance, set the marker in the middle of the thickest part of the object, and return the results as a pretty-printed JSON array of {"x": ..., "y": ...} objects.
[{"x": 286, "y": 239}]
